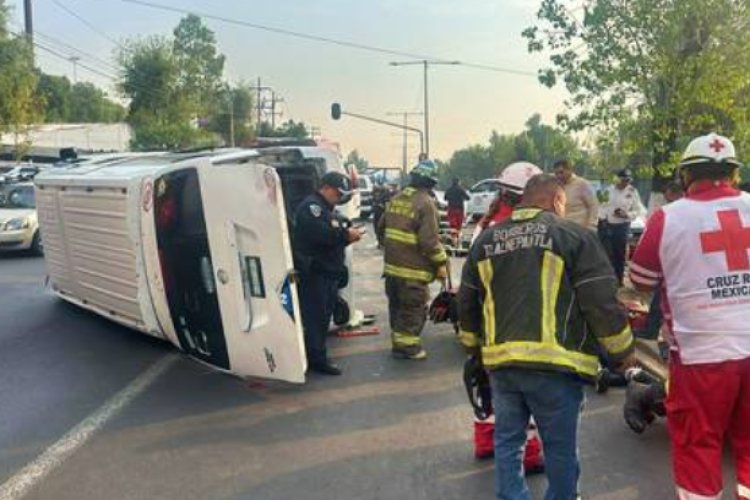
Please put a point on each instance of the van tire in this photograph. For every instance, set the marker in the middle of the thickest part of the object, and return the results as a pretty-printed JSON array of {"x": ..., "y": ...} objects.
[{"x": 37, "y": 248}]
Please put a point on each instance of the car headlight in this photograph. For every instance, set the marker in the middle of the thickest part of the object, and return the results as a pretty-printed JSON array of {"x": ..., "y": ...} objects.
[{"x": 16, "y": 224}]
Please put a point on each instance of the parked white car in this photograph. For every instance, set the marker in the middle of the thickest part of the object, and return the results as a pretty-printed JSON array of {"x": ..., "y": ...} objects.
[
  {"x": 19, "y": 226},
  {"x": 19, "y": 174},
  {"x": 482, "y": 193}
]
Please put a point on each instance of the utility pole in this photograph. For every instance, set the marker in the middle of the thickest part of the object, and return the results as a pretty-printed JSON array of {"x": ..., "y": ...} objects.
[
  {"x": 29, "y": 26},
  {"x": 259, "y": 89},
  {"x": 274, "y": 113},
  {"x": 28, "y": 18},
  {"x": 405, "y": 115},
  {"x": 425, "y": 65},
  {"x": 231, "y": 118},
  {"x": 74, "y": 60}
]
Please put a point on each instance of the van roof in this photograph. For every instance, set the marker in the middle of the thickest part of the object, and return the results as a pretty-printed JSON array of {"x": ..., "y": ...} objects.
[{"x": 120, "y": 169}]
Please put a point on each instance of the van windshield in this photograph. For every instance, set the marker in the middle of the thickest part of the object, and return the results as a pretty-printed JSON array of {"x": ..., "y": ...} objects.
[{"x": 21, "y": 197}]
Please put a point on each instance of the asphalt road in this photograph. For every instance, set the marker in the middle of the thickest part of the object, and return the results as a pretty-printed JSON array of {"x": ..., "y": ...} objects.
[{"x": 386, "y": 429}]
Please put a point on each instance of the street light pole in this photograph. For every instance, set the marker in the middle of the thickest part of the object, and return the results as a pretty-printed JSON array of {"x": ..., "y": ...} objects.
[
  {"x": 405, "y": 115},
  {"x": 425, "y": 66}
]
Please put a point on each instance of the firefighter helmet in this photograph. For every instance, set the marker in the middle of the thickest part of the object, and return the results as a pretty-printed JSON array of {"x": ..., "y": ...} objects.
[
  {"x": 426, "y": 169},
  {"x": 711, "y": 149},
  {"x": 515, "y": 176}
]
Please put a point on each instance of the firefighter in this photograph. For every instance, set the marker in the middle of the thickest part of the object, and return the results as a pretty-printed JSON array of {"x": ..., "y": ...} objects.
[
  {"x": 696, "y": 249},
  {"x": 513, "y": 179},
  {"x": 414, "y": 257},
  {"x": 537, "y": 300},
  {"x": 320, "y": 238}
]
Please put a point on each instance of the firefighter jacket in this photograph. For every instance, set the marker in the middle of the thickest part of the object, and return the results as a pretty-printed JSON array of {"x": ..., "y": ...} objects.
[
  {"x": 538, "y": 292},
  {"x": 412, "y": 242}
]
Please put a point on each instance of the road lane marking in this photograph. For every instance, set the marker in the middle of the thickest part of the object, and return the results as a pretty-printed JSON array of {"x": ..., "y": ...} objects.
[{"x": 34, "y": 472}]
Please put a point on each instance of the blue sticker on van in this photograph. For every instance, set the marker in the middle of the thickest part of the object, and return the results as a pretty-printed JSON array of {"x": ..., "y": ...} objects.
[{"x": 286, "y": 297}]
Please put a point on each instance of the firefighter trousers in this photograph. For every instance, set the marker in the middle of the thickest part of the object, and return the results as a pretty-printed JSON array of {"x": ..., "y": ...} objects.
[
  {"x": 407, "y": 311},
  {"x": 706, "y": 404}
]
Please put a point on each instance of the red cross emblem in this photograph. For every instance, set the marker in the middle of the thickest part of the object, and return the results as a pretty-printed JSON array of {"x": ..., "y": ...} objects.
[
  {"x": 733, "y": 239},
  {"x": 717, "y": 146}
]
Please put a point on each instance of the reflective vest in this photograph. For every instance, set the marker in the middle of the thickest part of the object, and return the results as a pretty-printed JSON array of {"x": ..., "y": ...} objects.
[
  {"x": 411, "y": 236},
  {"x": 698, "y": 248}
]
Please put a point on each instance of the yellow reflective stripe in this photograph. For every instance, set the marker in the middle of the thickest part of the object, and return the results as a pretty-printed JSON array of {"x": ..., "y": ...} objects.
[
  {"x": 535, "y": 352},
  {"x": 552, "y": 269},
  {"x": 485, "y": 274},
  {"x": 524, "y": 213},
  {"x": 439, "y": 256},
  {"x": 405, "y": 339},
  {"x": 408, "y": 273},
  {"x": 616, "y": 344},
  {"x": 401, "y": 236},
  {"x": 468, "y": 339}
]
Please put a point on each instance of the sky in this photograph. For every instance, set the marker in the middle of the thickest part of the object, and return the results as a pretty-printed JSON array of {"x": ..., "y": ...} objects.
[{"x": 466, "y": 104}]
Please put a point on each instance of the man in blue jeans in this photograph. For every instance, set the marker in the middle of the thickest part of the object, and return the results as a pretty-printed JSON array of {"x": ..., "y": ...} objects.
[{"x": 537, "y": 302}]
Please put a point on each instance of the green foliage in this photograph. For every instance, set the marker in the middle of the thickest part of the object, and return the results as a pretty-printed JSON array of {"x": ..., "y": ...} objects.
[
  {"x": 677, "y": 68},
  {"x": 360, "y": 163},
  {"x": 89, "y": 104},
  {"x": 162, "y": 116},
  {"x": 175, "y": 87},
  {"x": 79, "y": 103},
  {"x": 290, "y": 128},
  {"x": 20, "y": 107},
  {"x": 538, "y": 143},
  {"x": 54, "y": 91},
  {"x": 235, "y": 104},
  {"x": 198, "y": 63}
]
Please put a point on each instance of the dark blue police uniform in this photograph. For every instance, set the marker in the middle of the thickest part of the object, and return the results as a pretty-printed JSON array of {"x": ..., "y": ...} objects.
[{"x": 320, "y": 240}]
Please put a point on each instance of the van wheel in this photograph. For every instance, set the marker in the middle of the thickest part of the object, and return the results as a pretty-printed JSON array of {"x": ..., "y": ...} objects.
[
  {"x": 341, "y": 312},
  {"x": 37, "y": 247}
]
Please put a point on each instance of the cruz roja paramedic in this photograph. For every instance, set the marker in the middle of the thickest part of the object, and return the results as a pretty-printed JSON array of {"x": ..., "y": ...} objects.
[
  {"x": 696, "y": 251},
  {"x": 320, "y": 239},
  {"x": 538, "y": 303}
]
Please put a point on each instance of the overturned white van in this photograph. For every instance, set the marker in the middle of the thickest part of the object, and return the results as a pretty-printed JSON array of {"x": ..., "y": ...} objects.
[{"x": 191, "y": 248}]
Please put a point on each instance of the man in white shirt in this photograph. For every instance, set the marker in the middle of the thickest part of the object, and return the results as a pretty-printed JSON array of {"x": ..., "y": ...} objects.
[{"x": 623, "y": 205}]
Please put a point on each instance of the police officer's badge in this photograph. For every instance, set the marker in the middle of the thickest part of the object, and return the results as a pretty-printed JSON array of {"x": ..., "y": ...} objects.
[{"x": 315, "y": 210}]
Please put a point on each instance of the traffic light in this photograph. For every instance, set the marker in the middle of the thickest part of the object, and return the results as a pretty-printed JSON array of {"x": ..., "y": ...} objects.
[{"x": 335, "y": 111}]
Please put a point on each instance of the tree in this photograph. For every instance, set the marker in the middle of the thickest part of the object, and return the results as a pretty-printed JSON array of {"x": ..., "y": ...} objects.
[
  {"x": 54, "y": 92},
  {"x": 538, "y": 143},
  {"x": 677, "y": 67},
  {"x": 199, "y": 65},
  {"x": 290, "y": 128},
  {"x": 160, "y": 113},
  {"x": 359, "y": 162},
  {"x": 234, "y": 110},
  {"x": 89, "y": 104},
  {"x": 19, "y": 104}
]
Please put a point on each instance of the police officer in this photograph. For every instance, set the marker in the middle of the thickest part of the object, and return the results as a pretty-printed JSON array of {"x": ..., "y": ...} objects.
[{"x": 320, "y": 238}]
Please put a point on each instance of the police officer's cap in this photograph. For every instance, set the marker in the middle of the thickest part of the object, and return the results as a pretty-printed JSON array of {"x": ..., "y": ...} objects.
[{"x": 340, "y": 182}]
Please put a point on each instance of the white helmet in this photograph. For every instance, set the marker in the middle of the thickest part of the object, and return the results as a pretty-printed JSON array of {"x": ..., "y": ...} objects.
[
  {"x": 710, "y": 149},
  {"x": 516, "y": 175}
]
